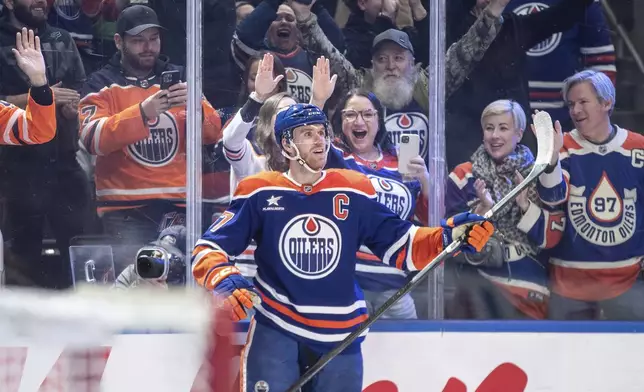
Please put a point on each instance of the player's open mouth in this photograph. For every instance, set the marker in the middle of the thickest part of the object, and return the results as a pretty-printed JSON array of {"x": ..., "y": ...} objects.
[
  {"x": 359, "y": 134},
  {"x": 318, "y": 151}
]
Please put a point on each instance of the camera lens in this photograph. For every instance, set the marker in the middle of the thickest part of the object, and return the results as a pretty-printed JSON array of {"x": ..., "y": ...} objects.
[
  {"x": 405, "y": 139},
  {"x": 149, "y": 267}
]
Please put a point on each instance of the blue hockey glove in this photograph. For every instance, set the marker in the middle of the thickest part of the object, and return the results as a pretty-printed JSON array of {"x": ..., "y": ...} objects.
[
  {"x": 239, "y": 294},
  {"x": 477, "y": 231}
]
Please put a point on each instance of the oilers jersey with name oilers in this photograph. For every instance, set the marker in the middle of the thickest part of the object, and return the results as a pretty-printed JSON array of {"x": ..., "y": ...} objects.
[
  {"x": 136, "y": 161},
  {"x": 523, "y": 276},
  {"x": 402, "y": 197},
  {"x": 601, "y": 189},
  {"x": 587, "y": 45},
  {"x": 307, "y": 237}
]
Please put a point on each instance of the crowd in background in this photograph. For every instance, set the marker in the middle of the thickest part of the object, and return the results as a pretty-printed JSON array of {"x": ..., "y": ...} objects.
[{"x": 113, "y": 179}]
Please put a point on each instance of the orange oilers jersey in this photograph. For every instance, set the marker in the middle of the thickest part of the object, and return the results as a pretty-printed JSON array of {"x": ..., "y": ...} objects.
[
  {"x": 307, "y": 237},
  {"x": 34, "y": 125},
  {"x": 136, "y": 161}
]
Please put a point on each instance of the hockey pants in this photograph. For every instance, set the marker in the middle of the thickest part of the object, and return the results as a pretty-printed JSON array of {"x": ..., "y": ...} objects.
[{"x": 272, "y": 360}]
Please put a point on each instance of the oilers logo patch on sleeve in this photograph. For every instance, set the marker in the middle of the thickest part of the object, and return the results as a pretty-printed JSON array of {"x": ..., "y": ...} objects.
[
  {"x": 310, "y": 246},
  {"x": 161, "y": 146}
]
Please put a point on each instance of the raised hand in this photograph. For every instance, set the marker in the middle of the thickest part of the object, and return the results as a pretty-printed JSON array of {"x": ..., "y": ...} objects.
[
  {"x": 390, "y": 8},
  {"x": 323, "y": 82},
  {"x": 302, "y": 10},
  {"x": 265, "y": 82},
  {"x": 29, "y": 57},
  {"x": 497, "y": 6}
]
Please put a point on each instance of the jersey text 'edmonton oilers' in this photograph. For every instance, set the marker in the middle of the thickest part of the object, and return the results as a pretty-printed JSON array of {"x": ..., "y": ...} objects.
[
  {"x": 601, "y": 188},
  {"x": 307, "y": 237}
]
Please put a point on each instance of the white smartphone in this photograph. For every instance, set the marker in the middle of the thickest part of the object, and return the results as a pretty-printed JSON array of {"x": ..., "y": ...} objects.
[{"x": 408, "y": 148}]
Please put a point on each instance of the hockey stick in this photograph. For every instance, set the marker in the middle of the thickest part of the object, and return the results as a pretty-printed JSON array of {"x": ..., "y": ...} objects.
[{"x": 545, "y": 146}]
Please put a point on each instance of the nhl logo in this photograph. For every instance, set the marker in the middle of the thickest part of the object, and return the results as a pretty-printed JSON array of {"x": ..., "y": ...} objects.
[
  {"x": 261, "y": 386},
  {"x": 602, "y": 149},
  {"x": 144, "y": 83},
  {"x": 308, "y": 188},
  {"x": 373, "y": 165}
]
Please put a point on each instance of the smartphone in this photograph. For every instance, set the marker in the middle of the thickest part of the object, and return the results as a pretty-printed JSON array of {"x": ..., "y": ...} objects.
[
  {"x": 409, "y": 148},
  {"x": 170, "y": 78}
]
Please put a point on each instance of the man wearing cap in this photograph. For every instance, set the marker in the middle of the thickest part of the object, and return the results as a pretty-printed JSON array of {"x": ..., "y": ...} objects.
[
  {"x": 137, "y": 131},
  {"x": 36, "y": 180},
  {"x": 401, "y": 86}
]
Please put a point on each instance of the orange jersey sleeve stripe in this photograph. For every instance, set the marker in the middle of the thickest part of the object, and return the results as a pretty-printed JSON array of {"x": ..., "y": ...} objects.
[
  {"x": 203, "y": 266},
  {"x": 34, "y": 125},
  {"x": 426, "y": 245}
]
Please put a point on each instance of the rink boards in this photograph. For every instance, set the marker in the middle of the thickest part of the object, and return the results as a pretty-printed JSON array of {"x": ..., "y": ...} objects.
[{"x": 405, "y": 357}]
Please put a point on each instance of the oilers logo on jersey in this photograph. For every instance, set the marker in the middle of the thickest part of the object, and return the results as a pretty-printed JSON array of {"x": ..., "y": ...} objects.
[
  {"x": 161, "y": 146},
  {"x": 310, "y": 246},
  {"x": 547, "y": 46},
  {"x": 393, "y": 194},
  {"x": 597, "y": 218},
  {"x": 409, "y": 123},
  {"x": 299, "y": 84}
]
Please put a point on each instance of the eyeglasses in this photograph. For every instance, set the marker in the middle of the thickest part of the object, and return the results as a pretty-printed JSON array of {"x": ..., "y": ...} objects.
[{"x": 352, "y": 115}]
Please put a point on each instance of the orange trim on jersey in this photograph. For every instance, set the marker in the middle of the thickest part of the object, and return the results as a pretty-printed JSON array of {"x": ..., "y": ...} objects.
[
  {"x": 634, "y": 141},
  {"x": 592, "y": 284},
  {"x": 34, "y": 125},
  {"x": 310, "y": 322},
  {"x": 461, "y": 171},
  {"x": 367, "y": 256},
  {"x": 427, "y": 244},
  {"x": 569, "y": 143},
  {"x": 519, "y": 298},
  {"x": 202, "y": 269}
]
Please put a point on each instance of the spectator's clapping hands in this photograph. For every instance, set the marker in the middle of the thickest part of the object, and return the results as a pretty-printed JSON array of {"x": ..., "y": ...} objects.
[
  {"x": 323, "y": 82},
  {"x": 485, "y": 199},
  {"x": 265, "y": 81}
]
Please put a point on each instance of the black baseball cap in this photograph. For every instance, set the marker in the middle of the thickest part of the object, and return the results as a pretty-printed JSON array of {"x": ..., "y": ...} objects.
[
  {"x": 398, "y": 37},
  {"x": 136, "y": 18}
]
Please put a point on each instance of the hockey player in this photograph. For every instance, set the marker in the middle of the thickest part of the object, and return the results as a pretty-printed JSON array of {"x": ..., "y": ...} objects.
[
  {"x": 598, "y": 180},
  {"x": 37, "y": 123},
  {"x": 308, "y": 224}
]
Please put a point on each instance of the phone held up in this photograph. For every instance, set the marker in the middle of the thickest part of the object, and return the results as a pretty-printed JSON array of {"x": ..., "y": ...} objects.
[
  {"x": 408, "y": 149},
  {"x": 170, "y": 78}
]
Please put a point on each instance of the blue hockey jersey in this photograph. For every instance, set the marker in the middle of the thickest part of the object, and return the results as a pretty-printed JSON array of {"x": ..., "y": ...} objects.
[
  {"x": 523, "y": 277},
  {"x": 402, "y": 197},
  {"x": 587, "y": 45},
  {"x": 600, "y": 187},
  {"x": 307, "y": 237}
]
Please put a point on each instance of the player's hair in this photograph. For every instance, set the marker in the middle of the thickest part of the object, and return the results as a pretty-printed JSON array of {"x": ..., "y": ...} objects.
[
  {"x": 603, "y": 86},
  {"x": 503, "y": 106},
  {"x": 278, "y": 69},
  {"x": 381, "y": 140},
  {"x": 265, "y": 135}
]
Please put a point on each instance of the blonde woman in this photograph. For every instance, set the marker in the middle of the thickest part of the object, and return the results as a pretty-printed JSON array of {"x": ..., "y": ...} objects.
[{"x": 507, "y": 281}]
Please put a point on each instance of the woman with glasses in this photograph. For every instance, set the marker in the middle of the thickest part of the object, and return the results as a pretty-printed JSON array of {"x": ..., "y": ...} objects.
[{"x": 362, "y": 145}]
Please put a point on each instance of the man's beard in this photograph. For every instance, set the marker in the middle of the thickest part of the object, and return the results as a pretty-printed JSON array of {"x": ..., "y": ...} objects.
[
  {"x": 134, "y": 62},
  {"x": 22, "y": 13},
  {"x": 395, "y": 93}
]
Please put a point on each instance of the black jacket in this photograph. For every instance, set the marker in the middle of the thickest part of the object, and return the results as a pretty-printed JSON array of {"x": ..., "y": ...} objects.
[
  {"x": 501, "y": 74},
  {"x": 64, "y": 65}
]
